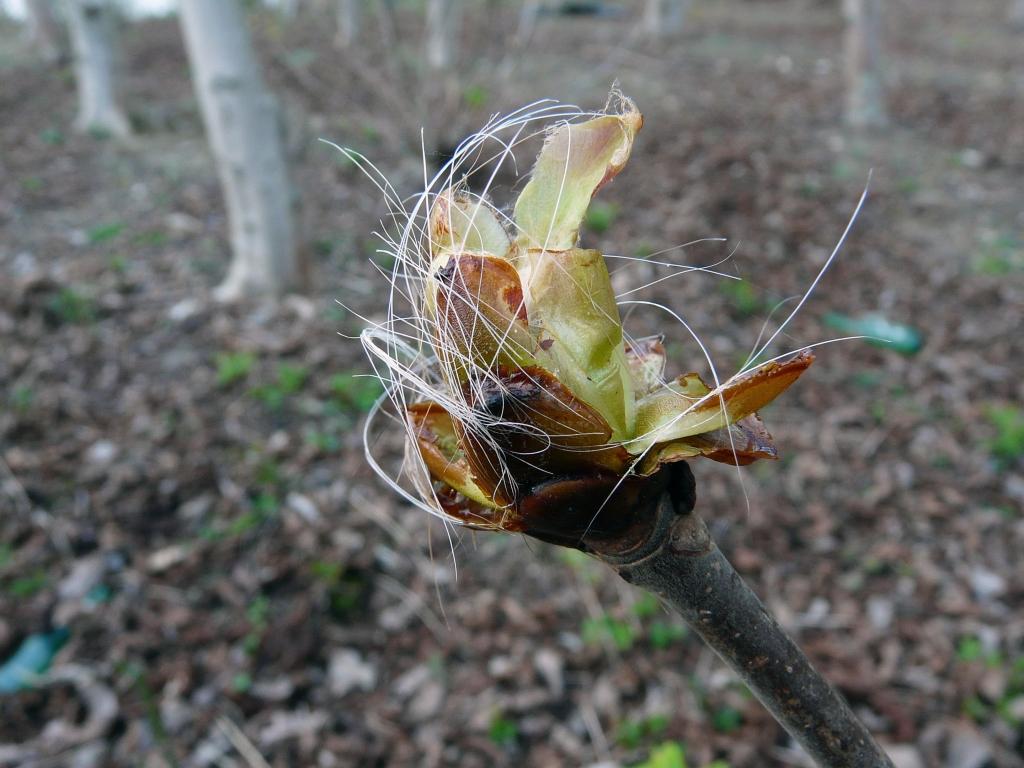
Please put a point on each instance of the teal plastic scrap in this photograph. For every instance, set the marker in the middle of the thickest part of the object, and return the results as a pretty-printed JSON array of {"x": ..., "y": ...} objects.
[
  {"x": 32, "y": 658},
  {"x": 878, "y": 330}
]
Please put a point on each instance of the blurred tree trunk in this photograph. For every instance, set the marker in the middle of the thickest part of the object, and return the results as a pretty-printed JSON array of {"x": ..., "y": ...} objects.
[
  {"x": 349, "y": 16},
  {"x": 865, "y": 97},
  {"x": 288, "y": 8},
  {"x": 92, "y": 25},
  {"x": 664, "y": 18},
  {"x": 528, "y": 14},
  {"x": 244, "y": 128},
  {"x": 1016, "y": 14},
  {"x": 43, "y": 29},
  {"x": 442, "y": 33}
]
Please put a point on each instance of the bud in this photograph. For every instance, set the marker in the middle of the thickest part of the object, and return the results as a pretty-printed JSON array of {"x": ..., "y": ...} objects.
[{"x": 549, "y": 408}]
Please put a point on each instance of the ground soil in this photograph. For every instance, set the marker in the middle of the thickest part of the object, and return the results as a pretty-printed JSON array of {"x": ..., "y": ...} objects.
[{"x": 182, "y": 484}]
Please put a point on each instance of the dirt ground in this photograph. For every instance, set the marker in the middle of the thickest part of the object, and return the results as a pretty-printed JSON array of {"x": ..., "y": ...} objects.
[{"x": 182, "y": 484}]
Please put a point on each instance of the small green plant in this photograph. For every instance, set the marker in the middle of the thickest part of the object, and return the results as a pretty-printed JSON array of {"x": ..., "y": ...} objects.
[
  {"x": 1008, "y": 444},
  {"x": 70, "y": 307},
  {"x": 241, "y": 682},
  {"x": 359, "y": 393},
  {"x": 646, "y": 605},
  {"x": 976, "y": 709},
  {"x": 6, "y": 554},
  {"x": 27, "y": 586},
  {"x": 502, "y": 731},
  {"x": 104, "y": 232},
  {"x": 476, "y": 96},
  {"x": 21, "y": 398},
  {"x": 584, "y": 566},
  {"x": 741, "y": 294},
  {"x": 632, "y": 733},
  {"x": 662, "y": 633},
  {"x": 607, "y": 628},
  {"x": 52, "y": 136},
  {"x": 600, "y": 216},
  {"x": 323, "y": 441},
  {"x": 118, "y": 264},
  {"x": 999, "y": 255},
  {"x": 32, "y": 184},
  {"x": 290, "y": 379},
  {"x": 233, "y": 366},
  {"x": 726, "y": 719},
  {"x": 268, "y": 473},
  {"x": 256, "y": 614},
  {"x": 346, "y": 588},
  {"x": 969, "y": 649},
  {"x": 670, "y": 754},
  {"x": 151, "y": 238}
]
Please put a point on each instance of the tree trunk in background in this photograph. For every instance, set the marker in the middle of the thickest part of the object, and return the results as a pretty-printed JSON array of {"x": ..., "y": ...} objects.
[
  {"x": 1016, "y": 14},
  {"x": 288, "y": 8},
  {"x": 244, "y": 129},
  {"x": 92, "y": 26},
  {"x": 442, "y": 33},
  {"x": 349, "y": 17},
  {"x": 528, "y": 14},
  {"x": 44, "y": 30},
  {"x": 664, "y": 18},
  {"x": 865, "y": 97}
]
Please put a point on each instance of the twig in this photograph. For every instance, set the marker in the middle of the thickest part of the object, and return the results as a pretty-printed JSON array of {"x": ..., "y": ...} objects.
[
  {"x": 678, "y": 560},
  {"x": 241, "y": 742}
]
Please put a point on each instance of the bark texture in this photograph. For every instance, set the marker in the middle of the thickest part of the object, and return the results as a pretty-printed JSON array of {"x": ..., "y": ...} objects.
[
  {"x": 678, "y": 560},
  {"x": 93, "y": 25},
  {"x": 244, "y": 128},
  {"x": 865, "y": 92}
]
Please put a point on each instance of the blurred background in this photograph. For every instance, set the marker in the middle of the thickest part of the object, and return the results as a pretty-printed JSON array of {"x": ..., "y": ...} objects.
[{"x": 192, "y": 547}]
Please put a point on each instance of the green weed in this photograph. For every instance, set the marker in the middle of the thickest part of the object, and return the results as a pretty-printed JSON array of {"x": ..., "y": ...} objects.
[
  {"x": 600, "y": 216},
  {"x": 52, "y": 136},
  {"x": 1008, "y": 444},
  {"x": 151, "y": 238},
  {"x": 346, "y": 588},
  {"x": 104, "y": 232},
  {"x": 598, "y": 631},
  {"x": 241, "y": 682},
  {"x": 726, "y": 719},
  {"x": 358, "y": 393},
  {"x": 647, "y": 605},
  {"x": 256, "y": 614},
  {"x": 502, "y": 731},
  {"x": 999, "y": 255},
  {"x": 323, "y": 441},
  {"x": 233, "y": 366},
  {"x": 290, "y": 379},
  {"x": 21, "y": 398},
  {"x": 662, "y": 634},
  {"x": 26, "y": 586},
  {"x": 476, "y": 96},
  {"x": 632, "y": 733},
  {"x": 670, "y": 754},
  {"x": 70, "y": 307},
  {"x": 741, "y": 295}
]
